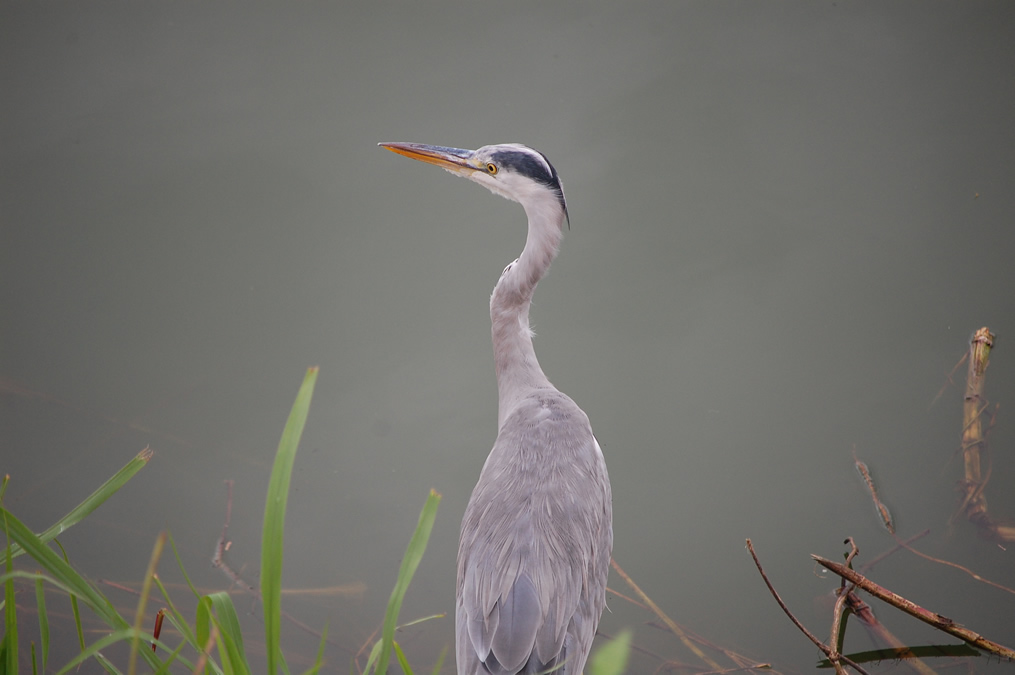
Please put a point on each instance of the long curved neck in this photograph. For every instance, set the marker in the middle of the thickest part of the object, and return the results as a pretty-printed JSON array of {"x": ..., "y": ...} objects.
[{"x": 518, "y": 371}]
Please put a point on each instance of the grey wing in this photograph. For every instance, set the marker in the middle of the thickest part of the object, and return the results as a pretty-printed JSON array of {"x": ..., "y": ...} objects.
[{"x": 535, "y": 551}]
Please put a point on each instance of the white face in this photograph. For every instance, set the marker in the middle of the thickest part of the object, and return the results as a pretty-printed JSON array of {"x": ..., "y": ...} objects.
[
  {"x": 491, "y": 174},
  {"x": 518, "y": 173}
]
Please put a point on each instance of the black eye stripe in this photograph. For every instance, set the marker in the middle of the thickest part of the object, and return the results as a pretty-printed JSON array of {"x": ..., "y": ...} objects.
[
  {"x": 527, "y": 165},
  {"x": 532, "y": 164}
]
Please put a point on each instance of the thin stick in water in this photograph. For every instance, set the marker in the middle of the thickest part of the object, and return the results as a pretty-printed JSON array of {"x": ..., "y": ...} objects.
[
  {"x": 934, "y": 619},
  {"x": 677, "y": 630},
  {"x": 796, "y": 622},
  {"x": 879, "y": 507}
]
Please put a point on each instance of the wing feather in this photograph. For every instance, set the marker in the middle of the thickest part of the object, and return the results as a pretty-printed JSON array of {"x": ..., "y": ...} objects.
[{"x": 535, "y": 545}]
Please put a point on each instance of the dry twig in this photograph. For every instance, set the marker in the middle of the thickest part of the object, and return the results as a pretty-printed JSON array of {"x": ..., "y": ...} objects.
[
  {"x": 879, "y": 506},
  {"x": 825, "y": 649},
  {"x": 677, "y": 630},
  {"x": 899, "y": 544},
  {"x": 934, "y": 619}
]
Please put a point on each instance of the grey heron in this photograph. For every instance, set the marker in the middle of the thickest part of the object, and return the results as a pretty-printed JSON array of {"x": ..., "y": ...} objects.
[{"x": 537, "y": 534}]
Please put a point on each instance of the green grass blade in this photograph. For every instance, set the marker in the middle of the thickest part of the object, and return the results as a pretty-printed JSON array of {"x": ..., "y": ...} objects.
[
  {"x": 319, "y": 662},
  {"x": 176, "y": 618},
  {"x": 179, "y": 563},
  {"x": 440, "y": 661},
  {"x": 375, "y": 654},
  {"x": 173, "y": 656},
  {"x": 230, "y": 635},
  {"x": 107, "y": 664},
  {"x": 94, "y": 500},
  {"x": 274, "y": 520},
  {"x": 400, "y": 655},
  {"x": 146, "y": 589},
  {"x": 203, "y": 627},
  {"x": 182, "y": 627},
  {"x": 60, "y": 570},
  {"x": 10, "y": 608},
  {"x": 75, "y": 611},
  {"x": 40, "y": 604},
  {"x": 611, "y": 658},
  {"x": 413, "y": 555},
  {"x": 32, "y": 577},
  {"x": 421, "y": 619},
  {"x": 94, "y": 651}
]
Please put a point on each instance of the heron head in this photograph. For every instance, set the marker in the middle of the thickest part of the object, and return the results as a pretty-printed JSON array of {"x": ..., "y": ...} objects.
[{"x": 511, "y": 170}]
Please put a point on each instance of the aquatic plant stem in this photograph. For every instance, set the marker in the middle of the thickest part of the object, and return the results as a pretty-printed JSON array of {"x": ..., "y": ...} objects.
[{"x": 974, "y": 445}]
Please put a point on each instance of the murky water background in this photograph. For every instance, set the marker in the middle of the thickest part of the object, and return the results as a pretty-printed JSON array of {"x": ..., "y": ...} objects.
[{"x": 786, "y": 221}]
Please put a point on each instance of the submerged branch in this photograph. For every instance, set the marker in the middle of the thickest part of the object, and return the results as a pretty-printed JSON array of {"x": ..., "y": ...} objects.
[
  {"x": 934, "y": 619},
  {"x": 825, "y": 649}
]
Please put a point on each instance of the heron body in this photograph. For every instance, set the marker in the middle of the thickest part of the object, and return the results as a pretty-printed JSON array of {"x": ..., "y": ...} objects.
[{"x": 537, "y": 534}]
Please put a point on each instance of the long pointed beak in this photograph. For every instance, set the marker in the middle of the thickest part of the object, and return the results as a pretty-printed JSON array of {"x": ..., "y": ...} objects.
[{"x": 455, "y": 160}]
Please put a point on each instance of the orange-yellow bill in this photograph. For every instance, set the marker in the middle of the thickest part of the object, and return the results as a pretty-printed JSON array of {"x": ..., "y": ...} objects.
[{"x": 455, "y": 160}]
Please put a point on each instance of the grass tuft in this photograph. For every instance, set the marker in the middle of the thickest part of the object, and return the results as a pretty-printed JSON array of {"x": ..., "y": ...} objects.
[{"x": 214, "y": 640}]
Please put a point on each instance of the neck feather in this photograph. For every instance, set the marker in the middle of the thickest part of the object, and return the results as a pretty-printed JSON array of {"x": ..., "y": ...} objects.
[{"x": 518, "y": 370}]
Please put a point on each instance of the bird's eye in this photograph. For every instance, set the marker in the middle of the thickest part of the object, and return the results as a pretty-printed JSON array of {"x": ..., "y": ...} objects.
[{"x": 491, "y": 169}]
